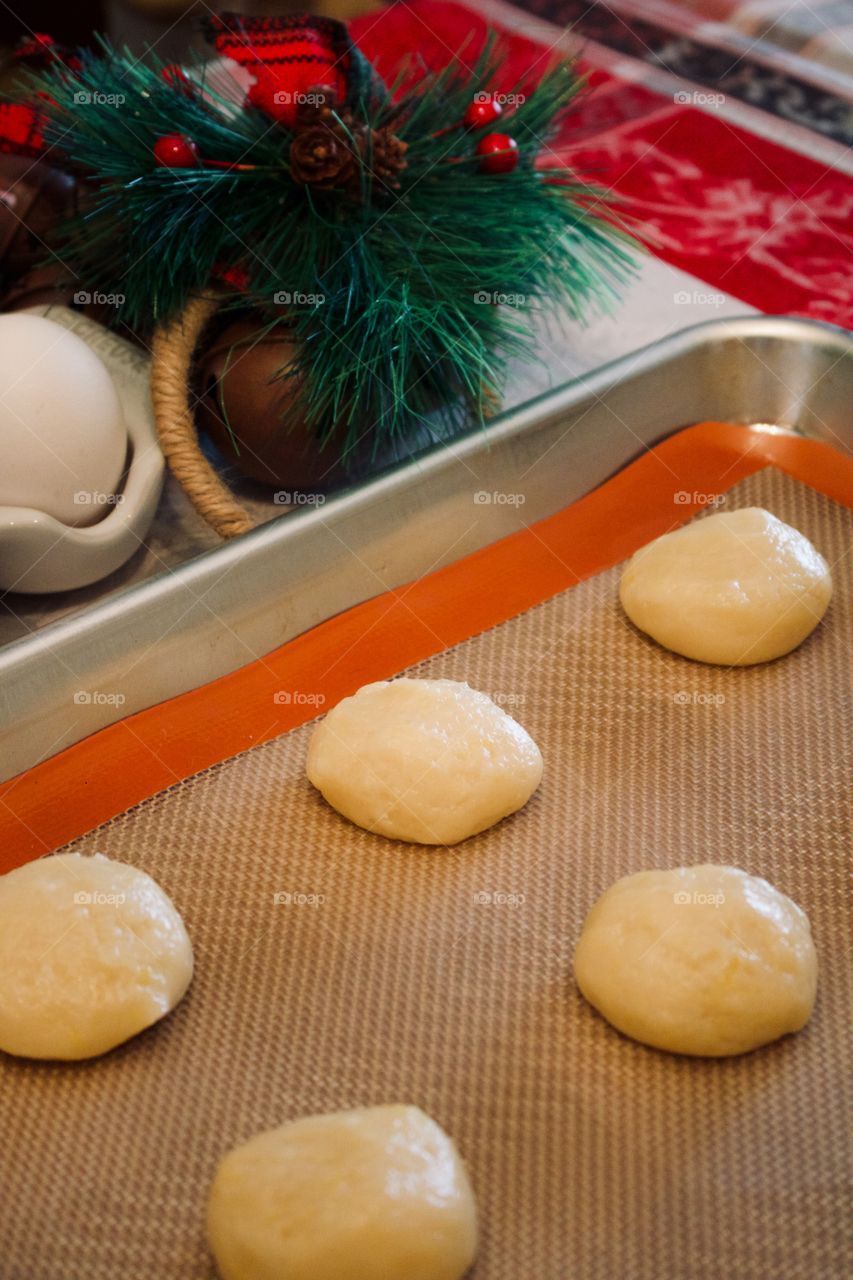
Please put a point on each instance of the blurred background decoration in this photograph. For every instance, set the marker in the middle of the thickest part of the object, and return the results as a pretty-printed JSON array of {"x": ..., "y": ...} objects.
[
  {"x": 818, "y": 31},
  {"x": 724, "y": 127},
  {"x": 170, "y": 24}
]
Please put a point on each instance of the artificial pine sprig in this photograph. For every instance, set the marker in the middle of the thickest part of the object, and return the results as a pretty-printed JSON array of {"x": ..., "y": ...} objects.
[{"x": 388, "y": 287}]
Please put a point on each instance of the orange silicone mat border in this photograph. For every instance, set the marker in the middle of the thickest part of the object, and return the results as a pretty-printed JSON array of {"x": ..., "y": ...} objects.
[{"x": 103, "y": 775}]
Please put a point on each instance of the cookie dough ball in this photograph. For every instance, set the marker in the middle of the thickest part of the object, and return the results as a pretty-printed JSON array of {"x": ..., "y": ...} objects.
[
  {"x": 703, "y": 960},
  {"x": 91, "y": 952},
  {"x": 432, "y": 761},
  {"x": 735, "y": 588},
  {"x": 374, "y": 1194}
]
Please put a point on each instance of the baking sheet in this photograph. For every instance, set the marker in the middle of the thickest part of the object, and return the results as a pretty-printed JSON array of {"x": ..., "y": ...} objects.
[
  {"x": 235, "y": 603},
  {"x": 568, "y": 349},
  {"x": 396, "y": 973}
]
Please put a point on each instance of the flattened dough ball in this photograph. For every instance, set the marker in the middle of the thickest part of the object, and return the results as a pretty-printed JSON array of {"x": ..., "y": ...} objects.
[
  {"x": 735, "y": 588},
  {"x": 432, "y": 761},
  {"x": 373, "y": 1194},
  {"x": 702, "y": 960},
  {"x": 92, "y": 951}
]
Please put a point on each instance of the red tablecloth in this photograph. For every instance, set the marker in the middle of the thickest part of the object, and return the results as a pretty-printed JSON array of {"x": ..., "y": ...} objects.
[{"x": 770, "y": 224}]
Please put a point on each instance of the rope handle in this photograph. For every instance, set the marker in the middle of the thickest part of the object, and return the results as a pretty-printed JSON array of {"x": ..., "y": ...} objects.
[{"x": 172, "y": 349}]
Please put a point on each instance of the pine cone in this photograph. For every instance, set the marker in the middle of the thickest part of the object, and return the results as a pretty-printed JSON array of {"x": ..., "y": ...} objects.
[
  {"x": 321, "y": 158},
  {"x": 386, "y": 156}
]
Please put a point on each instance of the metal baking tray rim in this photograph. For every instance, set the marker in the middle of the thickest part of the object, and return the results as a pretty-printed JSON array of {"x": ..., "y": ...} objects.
[{"x": 188, "y": 626}]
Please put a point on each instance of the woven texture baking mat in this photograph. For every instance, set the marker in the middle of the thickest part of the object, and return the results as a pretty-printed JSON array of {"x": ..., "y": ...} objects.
[{"x": 396, "y": 973}]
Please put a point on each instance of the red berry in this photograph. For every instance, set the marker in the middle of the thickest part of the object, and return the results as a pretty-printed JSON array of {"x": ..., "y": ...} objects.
[
  {"x": 498, "y": 153},
  {"x": 176, "y": 151},
  {"x": 175, "y": 76},
  {"x": 483, "y": 110}
]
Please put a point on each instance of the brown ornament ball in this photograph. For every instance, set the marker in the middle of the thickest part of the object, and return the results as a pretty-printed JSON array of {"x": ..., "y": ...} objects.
[
  {"x": 42, "y": 286},
  {"x": 33, "y": 198},
  {"x": 273, "y": 443},
  {"x": 53, "y": 285}
]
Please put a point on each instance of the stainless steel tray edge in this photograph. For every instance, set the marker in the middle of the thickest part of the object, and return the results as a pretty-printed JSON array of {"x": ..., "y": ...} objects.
[{"x": 238, "y": 602}]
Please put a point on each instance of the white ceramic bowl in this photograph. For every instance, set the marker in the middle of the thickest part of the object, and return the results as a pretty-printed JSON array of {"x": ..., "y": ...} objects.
[{"x": 39, "y": 553}]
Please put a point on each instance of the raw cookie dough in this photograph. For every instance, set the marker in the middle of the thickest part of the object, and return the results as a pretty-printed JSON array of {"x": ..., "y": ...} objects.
[
  {"x": 91, "y": 952},
  {"x": 703, "y": 960},
  {"x": 432, "y": 761},
  {"x": 374, "y": 1194},
  {"x": 734, "y": 588}
]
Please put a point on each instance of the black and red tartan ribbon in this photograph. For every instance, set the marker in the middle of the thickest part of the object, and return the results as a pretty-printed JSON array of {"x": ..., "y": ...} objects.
[
  {"x": 293, "y": 55},
  {"x": 22, "y": 123},
  {"x": 290, "y": 55}
]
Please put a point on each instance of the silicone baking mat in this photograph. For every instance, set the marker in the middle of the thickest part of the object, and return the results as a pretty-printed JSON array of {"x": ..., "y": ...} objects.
[{"x": 336, "y": 969}]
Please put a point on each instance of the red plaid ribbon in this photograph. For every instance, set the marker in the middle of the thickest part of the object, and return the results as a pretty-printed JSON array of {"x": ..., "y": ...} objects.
[{"x": 289, "y": 54}]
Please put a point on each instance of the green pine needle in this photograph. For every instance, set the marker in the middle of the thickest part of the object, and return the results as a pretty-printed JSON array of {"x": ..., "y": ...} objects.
[{"x": 402, "y": 332}]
